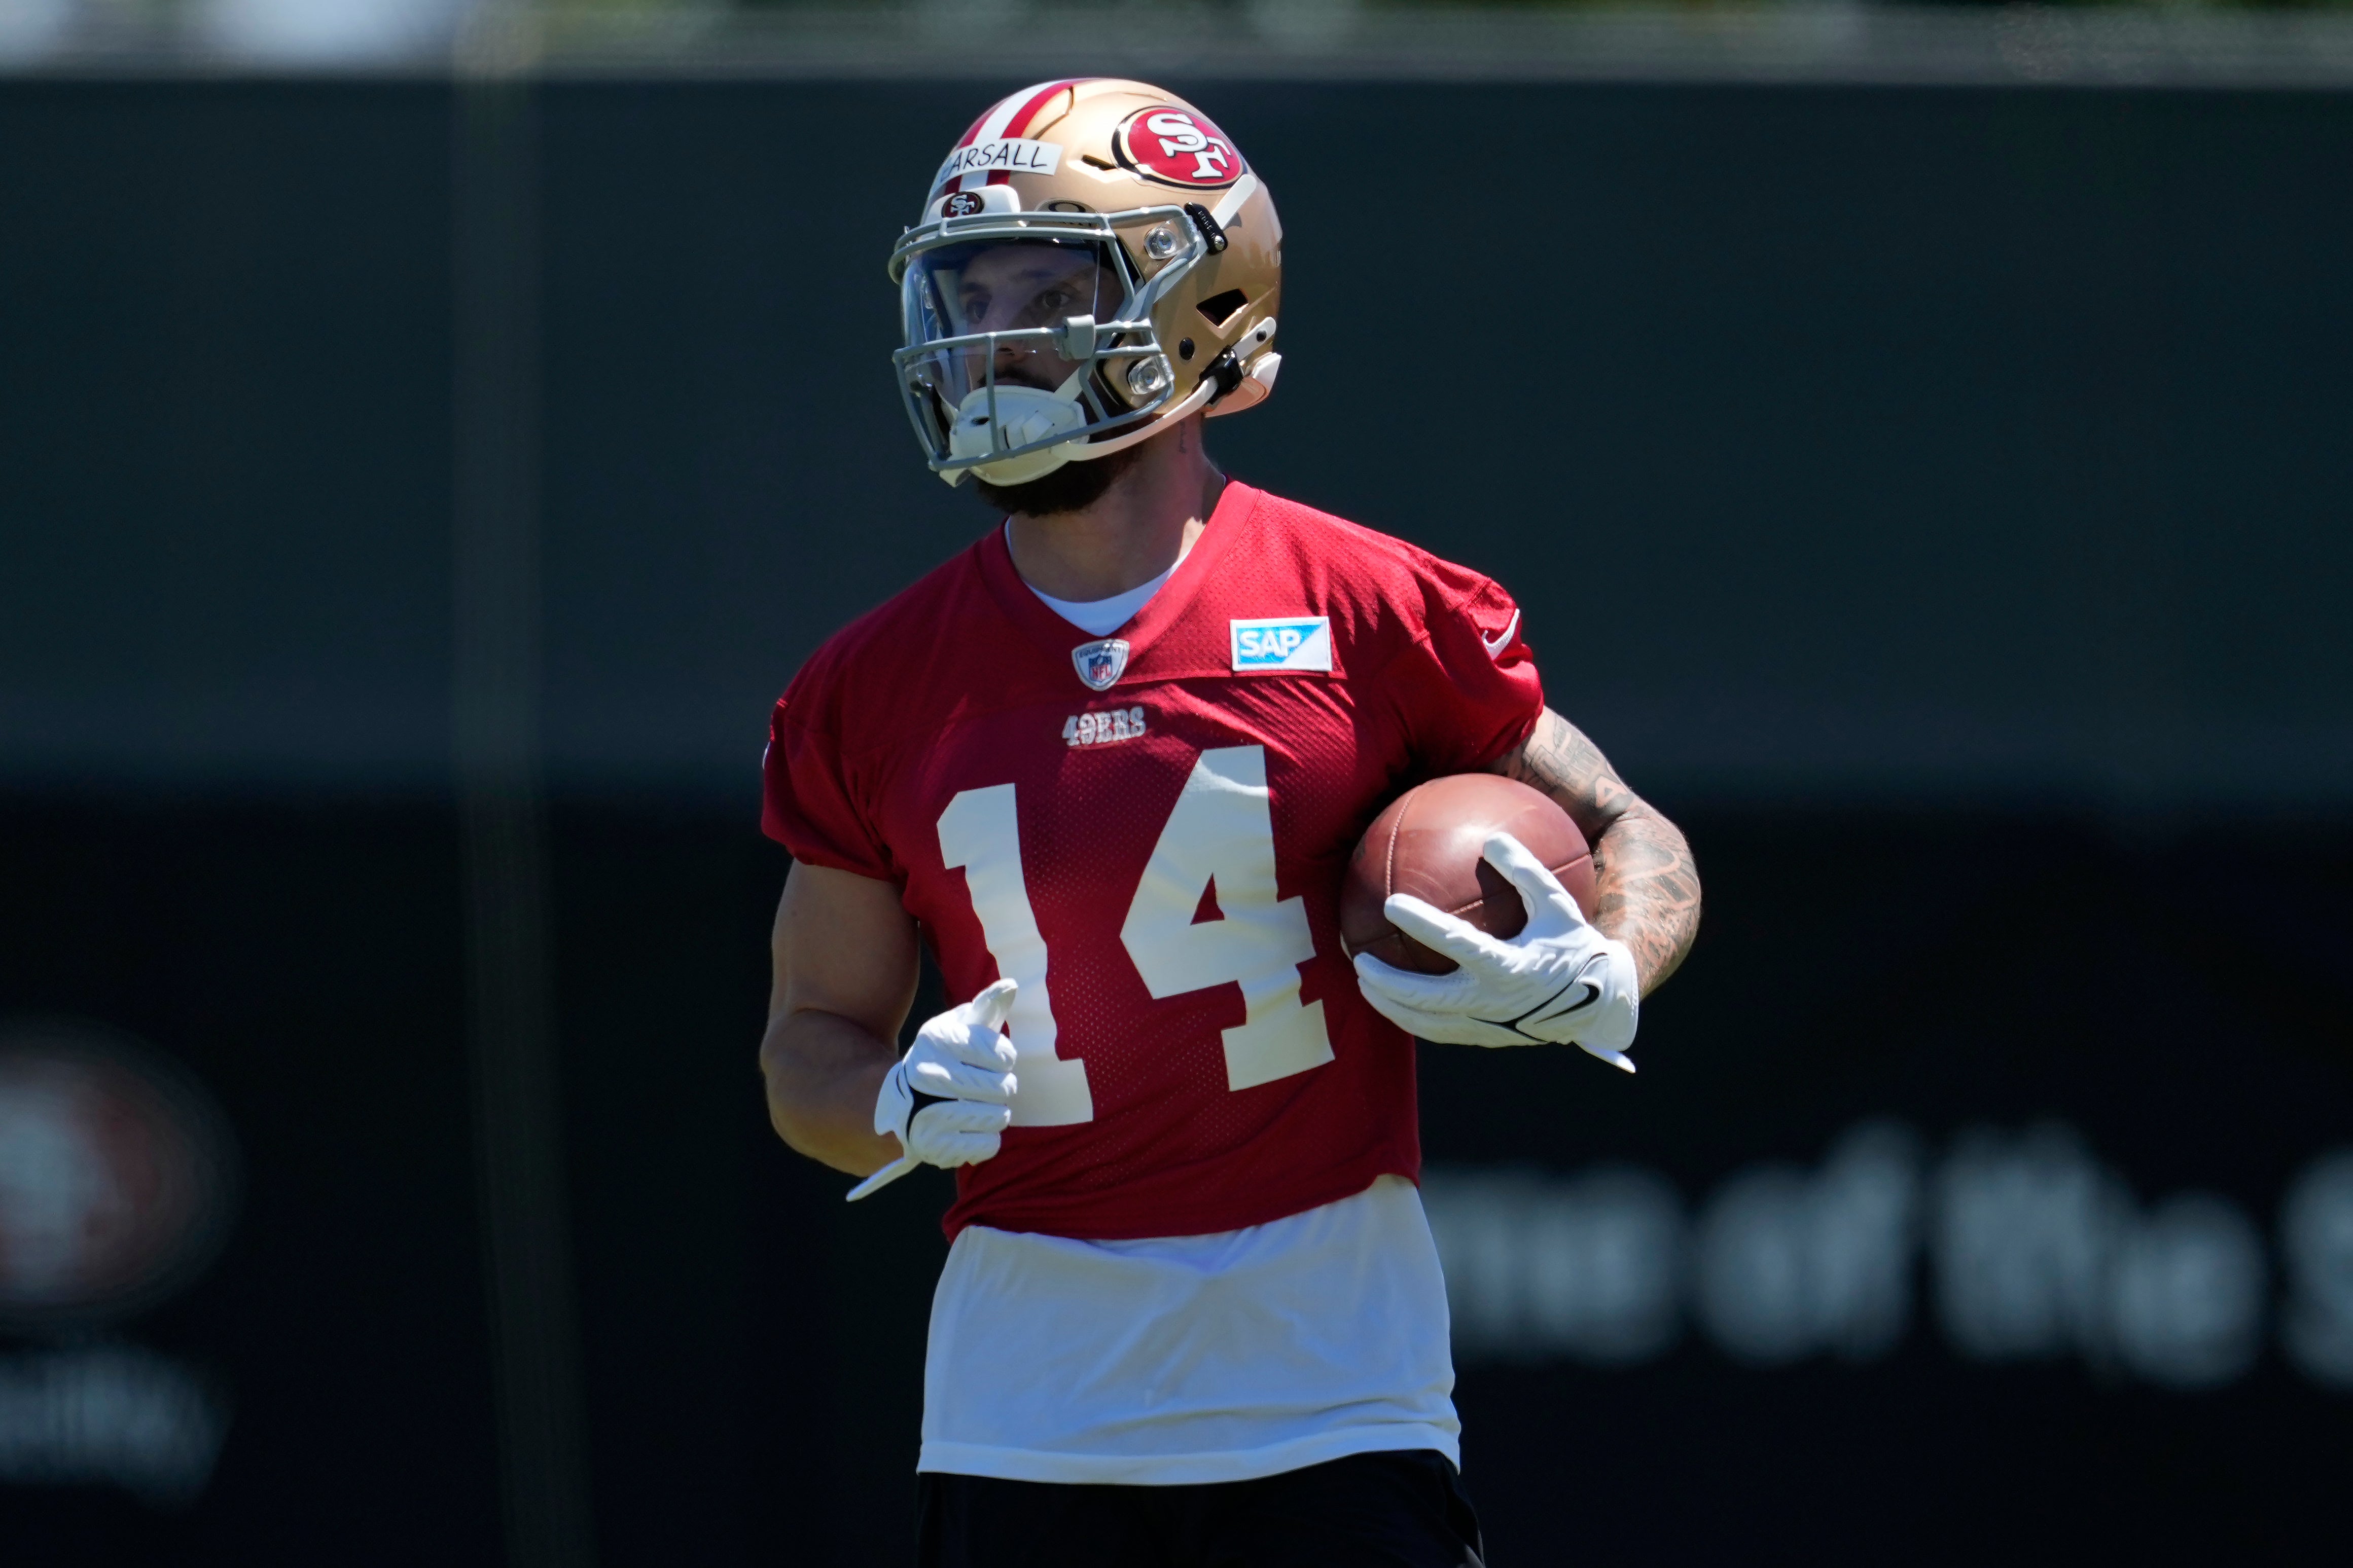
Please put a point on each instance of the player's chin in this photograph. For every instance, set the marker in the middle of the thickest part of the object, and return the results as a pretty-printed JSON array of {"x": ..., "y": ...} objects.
[{"x": 1073, "y": 486}]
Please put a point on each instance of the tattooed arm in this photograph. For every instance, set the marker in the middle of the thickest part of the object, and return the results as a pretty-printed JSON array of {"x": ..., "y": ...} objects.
[{"x": 1647, "y": 888}]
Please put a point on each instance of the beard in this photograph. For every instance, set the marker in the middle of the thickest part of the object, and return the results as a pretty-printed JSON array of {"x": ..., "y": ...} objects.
[{"x": 1073, "y": 486}]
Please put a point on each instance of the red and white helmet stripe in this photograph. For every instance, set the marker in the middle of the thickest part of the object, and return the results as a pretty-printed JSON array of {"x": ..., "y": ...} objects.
[{"x": 1003, "y": 116}]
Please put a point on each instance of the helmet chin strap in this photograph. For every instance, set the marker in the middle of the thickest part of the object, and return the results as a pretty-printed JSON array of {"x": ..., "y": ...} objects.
[
  {"x": 1087, "y": 452},
  {"x": 1262, "y": 367},
  {"x": 1064, "y": 397}
]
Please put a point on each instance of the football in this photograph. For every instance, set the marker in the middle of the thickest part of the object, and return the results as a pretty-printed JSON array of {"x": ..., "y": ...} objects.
[{"x": 1427, "y": 842}]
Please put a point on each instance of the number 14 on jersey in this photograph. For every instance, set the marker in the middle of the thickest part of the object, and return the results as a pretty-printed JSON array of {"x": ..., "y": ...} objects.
[{"x": 1221, "y": 830}]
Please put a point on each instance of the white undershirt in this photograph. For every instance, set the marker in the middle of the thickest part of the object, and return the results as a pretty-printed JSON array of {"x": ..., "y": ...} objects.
[
  {"x": 1100, "y": 618},
  {"x": 1191, "y": 1359}
]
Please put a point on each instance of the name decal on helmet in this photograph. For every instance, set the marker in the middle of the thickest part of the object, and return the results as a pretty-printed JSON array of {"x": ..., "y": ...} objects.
[
  {"x": 1005, "y": 155},
  {"x": 1176, "y": 146}
]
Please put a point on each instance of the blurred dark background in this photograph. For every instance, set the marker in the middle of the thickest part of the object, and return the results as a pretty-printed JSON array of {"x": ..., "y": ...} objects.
[{"x": 1934, "y": 497}]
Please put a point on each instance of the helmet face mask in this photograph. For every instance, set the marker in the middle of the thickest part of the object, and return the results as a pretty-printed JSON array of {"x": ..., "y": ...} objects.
[
  {"x": 990, "y": 304},
  {"x": 1078, "y": 304}
]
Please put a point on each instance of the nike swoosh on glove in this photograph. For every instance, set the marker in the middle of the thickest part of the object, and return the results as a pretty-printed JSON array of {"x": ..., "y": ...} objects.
[
  {"x": 949, "y": 1100},
  {"x": 1559, "y": 981}
]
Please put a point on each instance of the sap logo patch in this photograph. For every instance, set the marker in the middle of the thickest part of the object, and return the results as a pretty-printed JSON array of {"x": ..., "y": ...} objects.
[{"x": 1300, "y": 642}]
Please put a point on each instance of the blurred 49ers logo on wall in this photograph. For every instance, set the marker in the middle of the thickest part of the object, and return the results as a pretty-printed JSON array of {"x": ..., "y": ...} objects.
[
  {"x": 1178, "y": 146},
  {"x": 116, "y": 1176}
]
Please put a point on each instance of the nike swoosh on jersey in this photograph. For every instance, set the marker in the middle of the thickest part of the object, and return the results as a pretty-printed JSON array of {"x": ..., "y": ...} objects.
[{"x": 1496, "y": 645}]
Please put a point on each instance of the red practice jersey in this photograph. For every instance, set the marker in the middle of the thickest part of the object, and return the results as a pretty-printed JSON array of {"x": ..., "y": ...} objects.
[{"x": 1147, "y": 832}]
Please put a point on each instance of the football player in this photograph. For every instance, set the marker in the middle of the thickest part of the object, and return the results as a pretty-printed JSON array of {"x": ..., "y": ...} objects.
[{"x": 1109, "y": 764}]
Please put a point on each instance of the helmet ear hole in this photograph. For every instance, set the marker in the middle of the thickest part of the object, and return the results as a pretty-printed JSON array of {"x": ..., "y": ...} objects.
[{"x": 1220, "y": 308}]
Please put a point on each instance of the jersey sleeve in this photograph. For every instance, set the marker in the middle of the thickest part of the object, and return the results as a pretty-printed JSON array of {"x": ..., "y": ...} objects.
[
  {"x": 808, "y": 801},
  {"x": 1466, "y": 688}
]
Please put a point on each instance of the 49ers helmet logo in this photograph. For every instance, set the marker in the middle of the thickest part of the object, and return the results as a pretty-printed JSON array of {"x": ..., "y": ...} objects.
[{"x": 1176, "y": 146}]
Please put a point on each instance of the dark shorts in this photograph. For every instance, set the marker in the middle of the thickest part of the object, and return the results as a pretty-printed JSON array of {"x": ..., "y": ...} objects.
[{"x": 1367, "y": 1511}]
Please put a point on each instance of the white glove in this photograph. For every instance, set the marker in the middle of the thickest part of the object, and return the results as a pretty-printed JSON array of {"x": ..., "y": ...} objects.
[
  {"x": 1558, "y": 981},
  {"x": 949, "y": 1100}
]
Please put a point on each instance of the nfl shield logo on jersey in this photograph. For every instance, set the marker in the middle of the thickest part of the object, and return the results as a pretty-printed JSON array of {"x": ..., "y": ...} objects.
[{"x": 1101, "y": 663}]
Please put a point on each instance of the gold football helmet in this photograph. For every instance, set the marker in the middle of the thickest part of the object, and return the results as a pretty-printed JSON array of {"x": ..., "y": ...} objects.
[{"x": 1096, "y": 262}]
